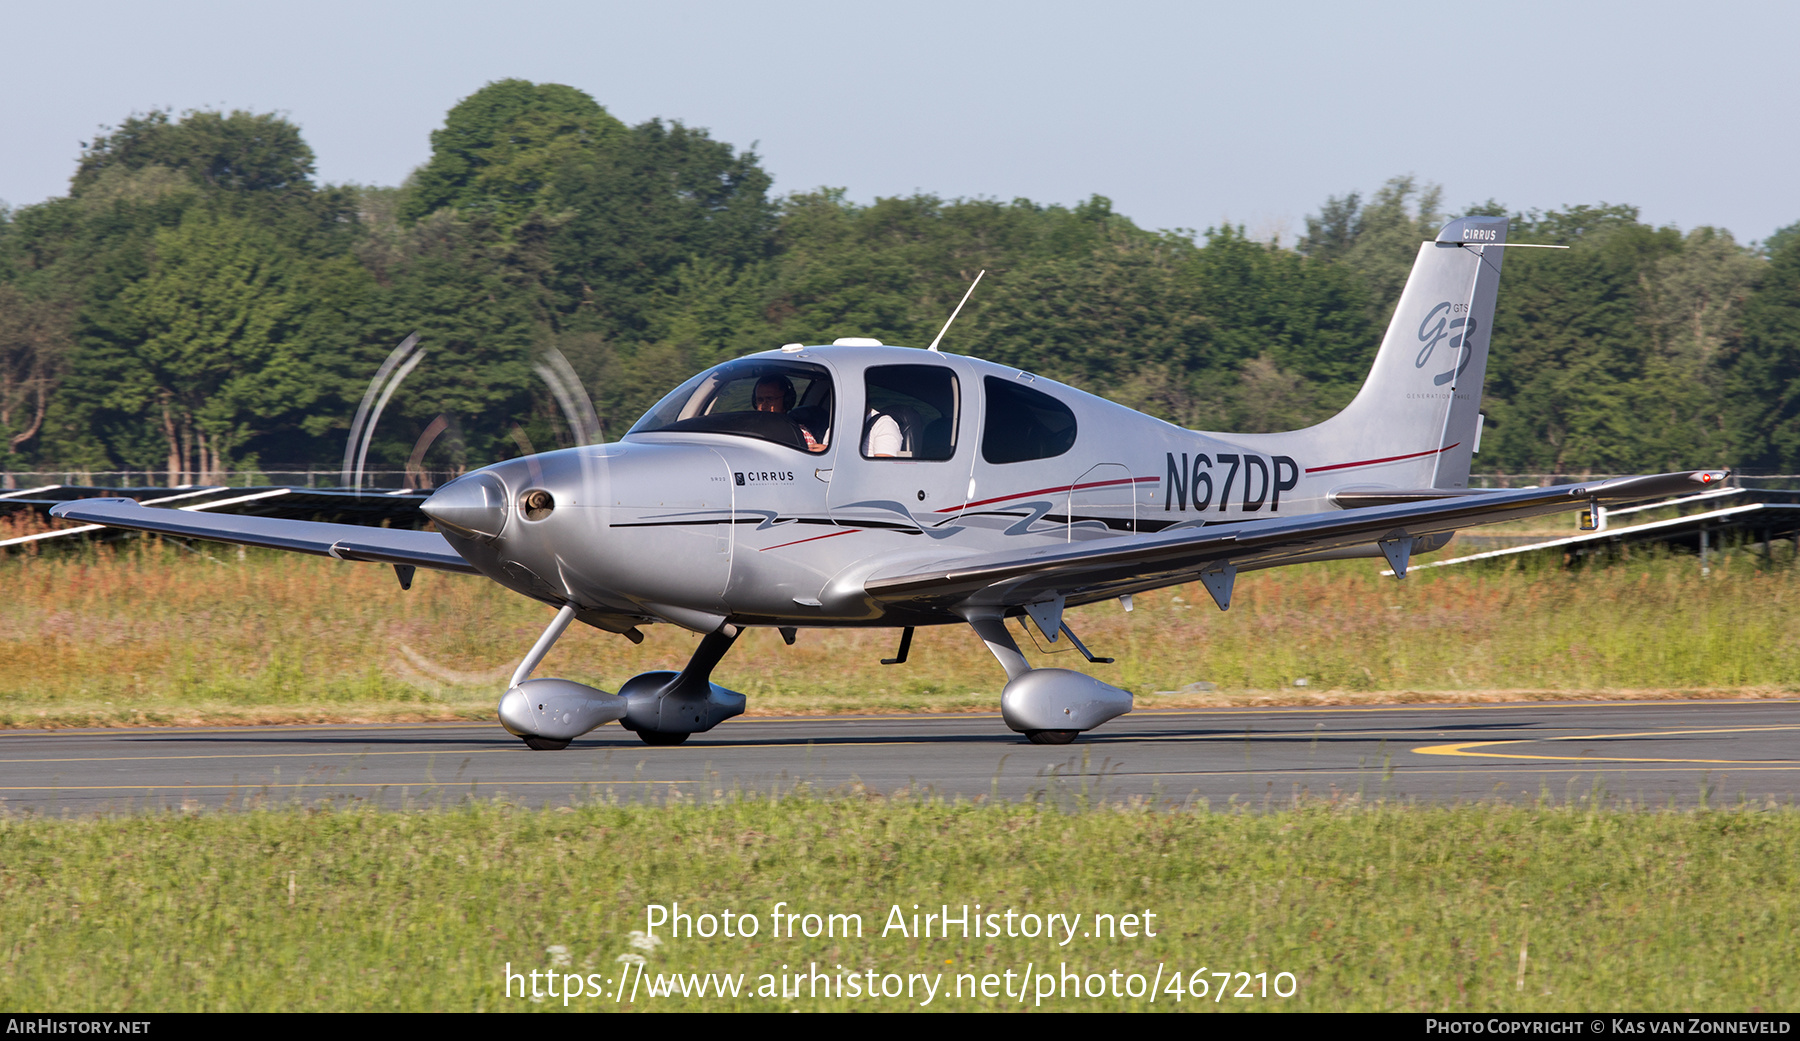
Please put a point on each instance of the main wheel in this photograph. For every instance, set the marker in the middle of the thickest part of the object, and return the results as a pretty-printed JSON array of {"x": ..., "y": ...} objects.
[
  {"x": 544, "y": 744},
  {"x": 661, "y": 737},
  {"x": 1051, "y": 737}
]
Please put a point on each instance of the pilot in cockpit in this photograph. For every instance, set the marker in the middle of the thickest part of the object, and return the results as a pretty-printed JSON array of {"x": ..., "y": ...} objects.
[{"x": 776, "y": 394}]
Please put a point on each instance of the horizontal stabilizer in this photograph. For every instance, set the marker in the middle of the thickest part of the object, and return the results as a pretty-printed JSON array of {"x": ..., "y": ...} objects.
[{"x": 425, "y": 549}]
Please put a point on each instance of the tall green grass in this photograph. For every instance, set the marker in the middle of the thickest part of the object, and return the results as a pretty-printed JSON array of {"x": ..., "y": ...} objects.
[
  {"x": 1473, "y": 908},
  {"x": 152, "y": 632}
]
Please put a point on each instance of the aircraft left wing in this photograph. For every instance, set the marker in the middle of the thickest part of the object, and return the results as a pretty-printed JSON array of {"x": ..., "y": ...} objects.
[
  {"x": 398, "y": 546},
  {"x": 1084, "y": 572}
]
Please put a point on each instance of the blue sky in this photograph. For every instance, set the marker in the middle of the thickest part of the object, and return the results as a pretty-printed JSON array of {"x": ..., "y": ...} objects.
[{"x": 1186, "y": 115}]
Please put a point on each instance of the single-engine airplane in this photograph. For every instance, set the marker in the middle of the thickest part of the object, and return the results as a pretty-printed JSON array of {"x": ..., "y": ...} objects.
[{"x": 858, "y": 484}]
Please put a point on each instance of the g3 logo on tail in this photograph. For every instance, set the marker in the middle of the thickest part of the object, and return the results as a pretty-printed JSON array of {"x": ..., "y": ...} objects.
[{"x": 1434, "y": 329}]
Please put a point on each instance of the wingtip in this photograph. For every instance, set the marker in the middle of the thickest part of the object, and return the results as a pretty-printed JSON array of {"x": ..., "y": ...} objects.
[{"x": 63, "y": 509}]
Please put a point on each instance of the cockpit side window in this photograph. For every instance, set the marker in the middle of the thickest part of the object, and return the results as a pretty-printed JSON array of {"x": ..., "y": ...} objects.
[
  {"x": 787, "y": 402},
  {"x": 912, "y": 412},
  {"x": 1024, "y": 424}
]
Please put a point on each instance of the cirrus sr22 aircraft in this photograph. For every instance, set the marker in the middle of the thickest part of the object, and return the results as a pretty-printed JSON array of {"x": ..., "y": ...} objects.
[{"x": 858, "y": 484}]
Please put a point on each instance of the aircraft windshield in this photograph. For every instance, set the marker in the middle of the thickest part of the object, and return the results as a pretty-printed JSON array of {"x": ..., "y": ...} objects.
[{"x": 786, "y": 402}]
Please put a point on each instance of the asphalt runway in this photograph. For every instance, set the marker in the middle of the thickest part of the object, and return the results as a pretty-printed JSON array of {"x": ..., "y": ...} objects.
[{"x": 1634, "y": 754}]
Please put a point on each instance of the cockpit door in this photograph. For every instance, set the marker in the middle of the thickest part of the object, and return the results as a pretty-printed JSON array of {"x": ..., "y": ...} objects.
[{"x": 904, "y": 458}]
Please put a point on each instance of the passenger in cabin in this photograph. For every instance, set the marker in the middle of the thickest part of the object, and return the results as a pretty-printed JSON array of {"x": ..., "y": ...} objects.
[{"x": 883, "y": 439}]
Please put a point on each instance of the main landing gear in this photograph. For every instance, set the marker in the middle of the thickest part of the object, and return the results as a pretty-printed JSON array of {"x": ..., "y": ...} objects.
[
  {"x": 1048, "y": 706},
  {"x": 662, "y": 708},
  {"x": 665, "y": 707}
]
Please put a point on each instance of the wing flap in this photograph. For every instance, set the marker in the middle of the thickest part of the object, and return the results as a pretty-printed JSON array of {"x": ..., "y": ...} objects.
[
  {"x": 1091, "y": 570},
  {"x": 426, "y": 549}
]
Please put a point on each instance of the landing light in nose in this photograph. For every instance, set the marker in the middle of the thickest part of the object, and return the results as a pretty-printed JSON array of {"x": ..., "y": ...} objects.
[
  {"x": 473, "y": 507},
  {"x": 536, "y": 504}
]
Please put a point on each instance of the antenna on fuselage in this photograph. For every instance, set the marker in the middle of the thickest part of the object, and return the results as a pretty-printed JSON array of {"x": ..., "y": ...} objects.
[{"x": 953, "y": 314}]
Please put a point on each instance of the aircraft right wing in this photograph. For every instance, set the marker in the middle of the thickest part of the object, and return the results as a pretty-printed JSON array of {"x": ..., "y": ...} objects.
[
  {"x": 1084, "y": 572},
  {"x": 398, "y": 546}
]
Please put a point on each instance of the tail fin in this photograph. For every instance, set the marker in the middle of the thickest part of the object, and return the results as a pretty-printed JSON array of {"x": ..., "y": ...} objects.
[{"x": 1418, "y": 412}]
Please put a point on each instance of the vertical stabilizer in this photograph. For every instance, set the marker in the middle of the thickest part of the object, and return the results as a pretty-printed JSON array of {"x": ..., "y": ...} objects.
[{"x": 1418, "y": 411}]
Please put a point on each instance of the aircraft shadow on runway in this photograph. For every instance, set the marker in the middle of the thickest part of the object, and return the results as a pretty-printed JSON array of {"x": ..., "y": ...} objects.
[{"x": 926, "y": 733}]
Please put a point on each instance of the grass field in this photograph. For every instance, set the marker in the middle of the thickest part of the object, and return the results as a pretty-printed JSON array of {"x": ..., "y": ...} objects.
[
  {"x": 1368, "y": 907},
  {"x": 145, "y": 632}
]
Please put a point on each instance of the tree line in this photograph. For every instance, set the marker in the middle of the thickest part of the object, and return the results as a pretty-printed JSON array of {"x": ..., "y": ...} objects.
[{"x": 199, "y": 303}]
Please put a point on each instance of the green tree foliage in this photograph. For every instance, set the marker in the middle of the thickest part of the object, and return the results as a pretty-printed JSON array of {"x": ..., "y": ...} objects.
[
  {"x": 473, "y": 313},
  {"x": 501, "y": 148},
  {"x": 1121, "y": 318},
  {"x": 1379, "y": 240},
  {"x": 35, "y": 336},
  {"x": 1613, "y": 356},
  {"x": 208, "y": 344},
  {"x": 1568, "y": 341},
  {"x": 1763, "y": 375},
  {"x": 153, "y": 204},
  {"x": 894, "y": 269},
  {"x": 652, "y": 201},
  {"x": 607, "y": 242},
  {"x": 1296, "y": 330},
  {"x": 1692, "y": 303},
  {"x": 1781, "y": 238},
  {"x": 239, "y": 152},
  {"x": 198, "y": 302}
]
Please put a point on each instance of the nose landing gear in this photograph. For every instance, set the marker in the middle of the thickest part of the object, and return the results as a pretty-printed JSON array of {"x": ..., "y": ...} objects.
[
  {"x": 662, "y": 708},
  {"x": 549, "y": 713}
]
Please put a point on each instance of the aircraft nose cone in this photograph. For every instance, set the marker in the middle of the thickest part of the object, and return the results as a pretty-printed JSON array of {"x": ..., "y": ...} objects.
[{"x": 474, "y": 507}]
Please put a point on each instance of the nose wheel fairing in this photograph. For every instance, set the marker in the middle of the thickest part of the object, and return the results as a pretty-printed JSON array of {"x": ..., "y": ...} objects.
[{"x": 551, "y": 710}]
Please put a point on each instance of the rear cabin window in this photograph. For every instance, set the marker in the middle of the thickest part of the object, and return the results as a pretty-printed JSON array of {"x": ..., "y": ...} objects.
[
  {"x": 912, "y": 412},
  {"x": 1024, "y": 424}
]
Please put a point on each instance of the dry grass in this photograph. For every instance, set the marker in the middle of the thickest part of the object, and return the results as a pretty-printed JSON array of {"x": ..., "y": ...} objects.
[{"x": 145, "y": 632}]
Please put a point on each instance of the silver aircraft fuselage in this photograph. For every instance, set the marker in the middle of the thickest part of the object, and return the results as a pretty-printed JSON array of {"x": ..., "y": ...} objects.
[{"x": 701, "y": 529}]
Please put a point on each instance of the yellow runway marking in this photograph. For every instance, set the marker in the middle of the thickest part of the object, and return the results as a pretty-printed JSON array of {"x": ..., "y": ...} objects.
[
  {"x": 1310, "y": 735},
  {"x": 1465, "y": 748},
  {"x": 1324, "y": 771}
]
